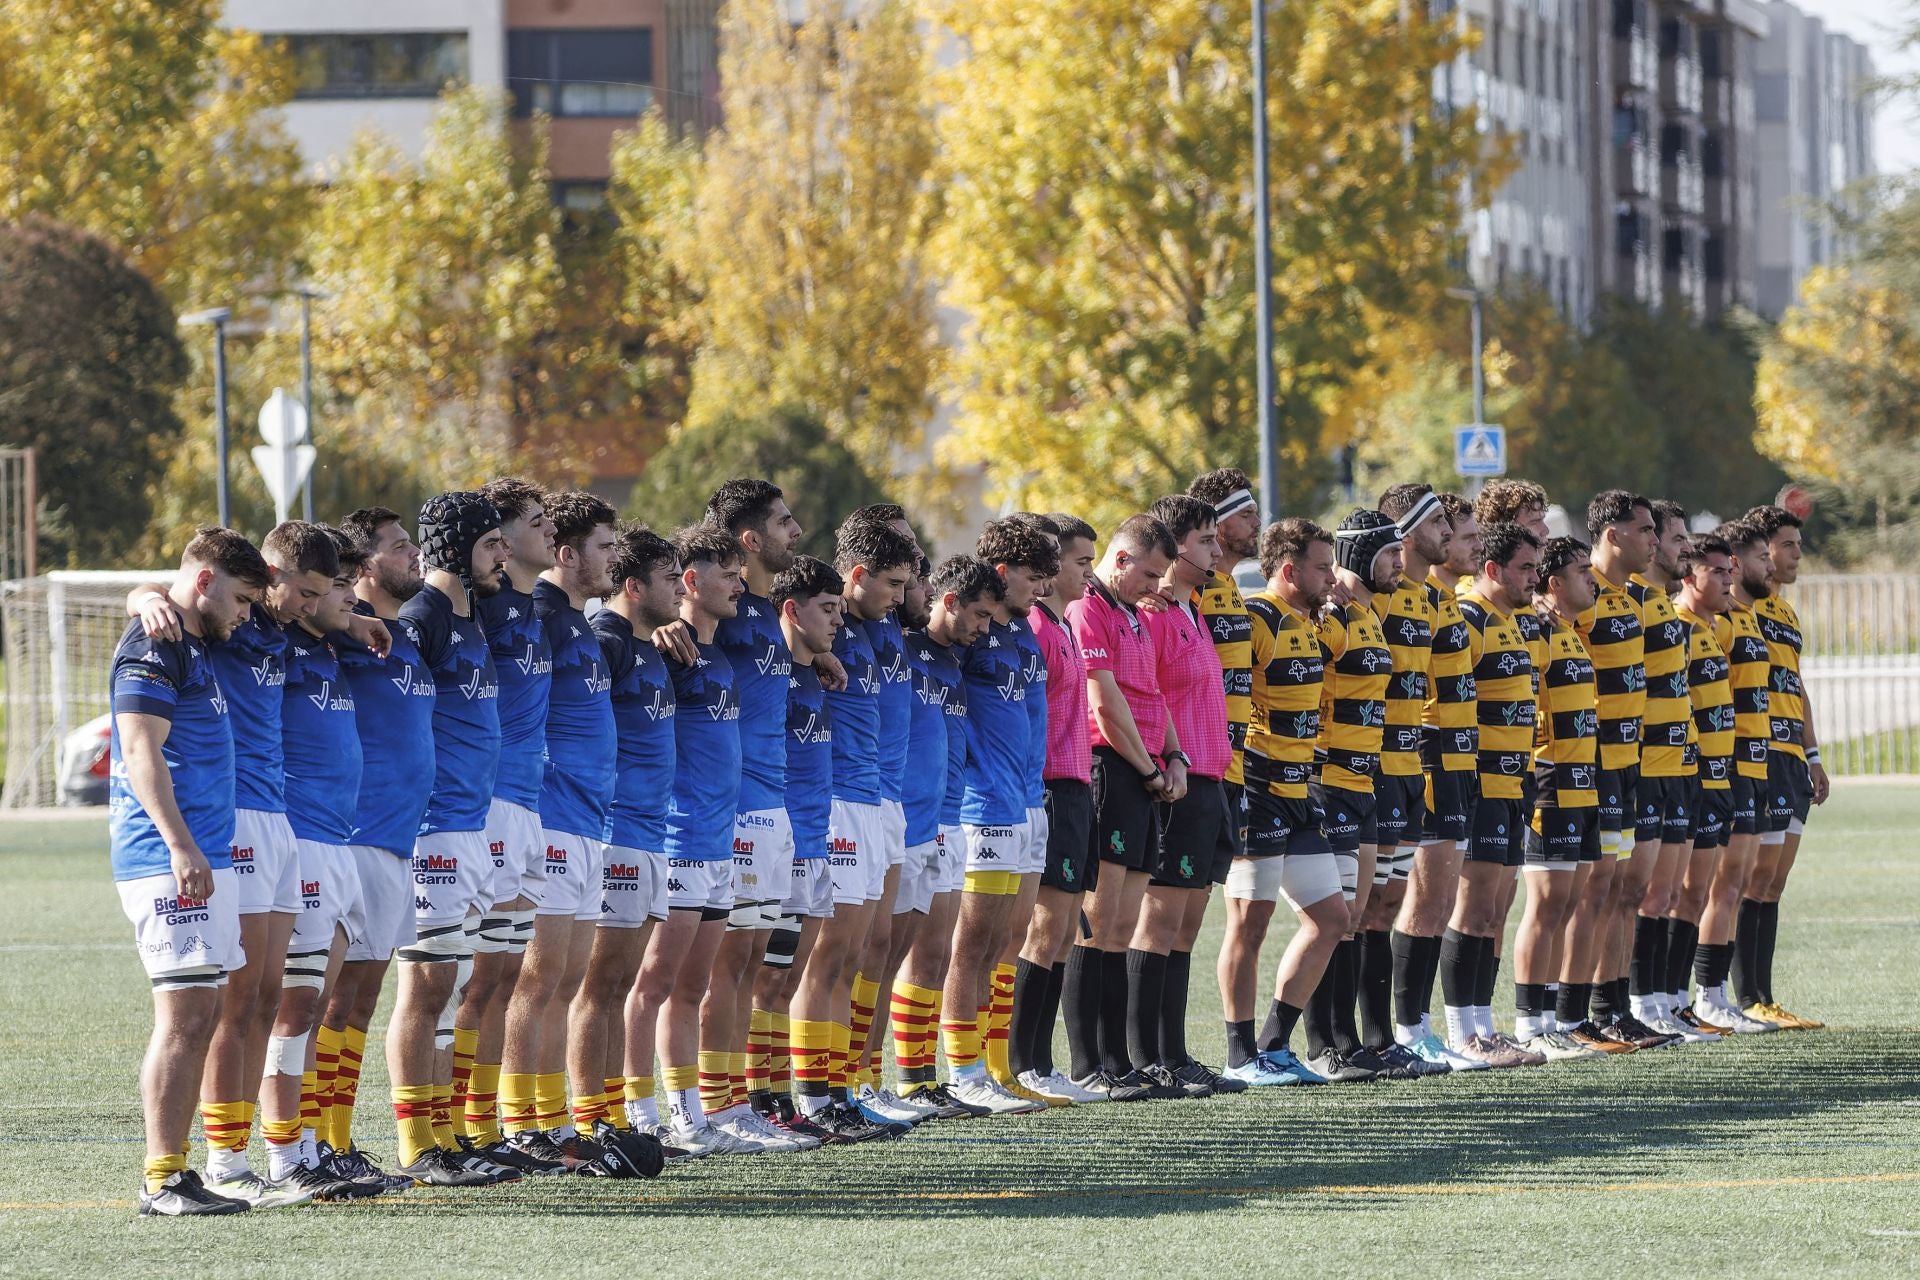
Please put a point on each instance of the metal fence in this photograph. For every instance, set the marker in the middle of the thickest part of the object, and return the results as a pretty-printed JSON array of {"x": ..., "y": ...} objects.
[
  {"x": 59, "y": 632},
  {"x": 1862, "y": 669}
]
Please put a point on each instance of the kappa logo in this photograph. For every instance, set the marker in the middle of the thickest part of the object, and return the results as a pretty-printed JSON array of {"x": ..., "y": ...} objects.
[
  {"x": 513, "y": 612},
  {"x": 993, "y": 642},
  {"x": 753, "y": 611}
]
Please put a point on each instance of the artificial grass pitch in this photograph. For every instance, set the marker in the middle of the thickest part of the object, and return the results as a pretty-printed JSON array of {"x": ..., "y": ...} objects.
[{"x": 1790, "y": 1154}]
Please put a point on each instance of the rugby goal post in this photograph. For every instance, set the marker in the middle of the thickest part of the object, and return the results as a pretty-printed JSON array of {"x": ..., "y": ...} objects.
[{"x": 59, "y": 631}]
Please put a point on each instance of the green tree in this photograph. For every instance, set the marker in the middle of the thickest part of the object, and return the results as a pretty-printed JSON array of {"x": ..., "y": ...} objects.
[
  {"x": 1097, "y": 229},
  {"x": 89, "y": 364},
  {"x": 812, "y": 218},
  {"x": 823, "y": 478}
]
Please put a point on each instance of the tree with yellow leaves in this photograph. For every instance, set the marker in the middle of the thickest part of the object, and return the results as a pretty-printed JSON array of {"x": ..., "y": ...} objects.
[
  {"x": 812, "y": 218},
  {"x": 1098, "y": 228}
]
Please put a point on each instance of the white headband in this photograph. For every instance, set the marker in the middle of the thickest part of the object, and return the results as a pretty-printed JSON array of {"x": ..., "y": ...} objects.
[
  {"x": 1429, "y": 505},
  {"x": 1238, "y": 500}
]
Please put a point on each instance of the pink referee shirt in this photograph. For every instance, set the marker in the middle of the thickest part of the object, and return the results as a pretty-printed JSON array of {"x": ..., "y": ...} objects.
[
  {"x": 1114, "y": 638},
  {"x": 1069, "y": 752},
  {"x": 1194, "y": 684}
]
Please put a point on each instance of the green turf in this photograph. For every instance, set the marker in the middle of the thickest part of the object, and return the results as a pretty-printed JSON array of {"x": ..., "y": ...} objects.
[{"x": 1781, "y": 1155}]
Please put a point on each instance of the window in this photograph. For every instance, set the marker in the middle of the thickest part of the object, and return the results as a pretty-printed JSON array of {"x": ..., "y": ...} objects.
[
  {"x": 579, "y": 72},
  {"x": 1716, "y": 258},
  {"x": 1713, "y": 161},
  {"x": 1713, "y": 53},
  {"x": 385, "y": 64}
]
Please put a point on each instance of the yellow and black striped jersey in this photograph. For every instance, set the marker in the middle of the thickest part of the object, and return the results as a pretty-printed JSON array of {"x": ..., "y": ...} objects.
[
  {"x": 1663, "y": 726},
  {"x": 1288, "y": 671},
  {"x": 1449, "y": 716},
  {"x": 1534, "y": 633},
  {"x": 1749, "y": 669},
  {"x": 1614, "y": 640},
  {"x": 1353, "y": 701},
  {"x": 1710, "y": 693},
  {"x": 1780, "y": 628},
  {"x": 1224, "y": 614},
  {"x": 1503, "y": 675},
  {"x": 1567, "y": 750},
  {"x": 1406, "y": 620}
]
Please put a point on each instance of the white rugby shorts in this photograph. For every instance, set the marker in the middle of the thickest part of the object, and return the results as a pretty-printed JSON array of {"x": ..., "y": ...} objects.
[
  {"x": 570, "y": 867},
  {"x": 329, "y": 897},
  {"x": 1302, "y": 879},
  {"x": 919, "y": 876},
  {"x": 1039, "y": 827},
  {"x": 386, "y": 904},
  {"x": 762, "y": 854},
  {"x": 893, "y": 831},
  {"x": 950, "y": 860},
  {"x": 856, "y": 852},
  {"x": 703, "y": 886},
  {"x": 515, "y": 841},
  {"x": 178, "y": 936},
  {"x": 452, "y": 878},
  {"x": 633, "y": 887},
  {"x": 810, "y": 892},
  {"x": 265, "y": 863},
  {"x": 996, "y": 848}
]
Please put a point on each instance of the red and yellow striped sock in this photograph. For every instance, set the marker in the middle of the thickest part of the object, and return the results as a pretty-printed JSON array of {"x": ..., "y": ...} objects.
[
  {"x": 840, "y": 1064},
  {"x": 962, "y": 1042},
  {"x": 759, "y": 1051},
  {"x": 480, "y": 1109},
  {"x": 550, "y": 1099},
  {"x": 780, "y": 1050},
  {"x": 736, "y": 1080},
  {"x": 326, "y": 1069},
  {"x": 443, "y": 1134},
  {"x": 812, "y": 1056},
  {"x": 866, "y": 998},
  {"x": 413, "y": 1117},
  {"x": 465, "y": 1041},
  {"x": 999, "y": 1021},
  {"x": 713, "y": 1081},
  {"x": 585, "y": 1109},
  {"x": 310, "y": 1100},
  {"x": 913, "y": 1020},
  {"x": 226, "y": 1124},
  {"x": 519, "y": 1107},
  {"x": 346, "y": 1088},
  {"x": 613, "y": 1091}
]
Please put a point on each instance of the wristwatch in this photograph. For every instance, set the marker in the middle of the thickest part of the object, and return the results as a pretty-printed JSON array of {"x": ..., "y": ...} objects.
[{"x": 1181, "y": 756}]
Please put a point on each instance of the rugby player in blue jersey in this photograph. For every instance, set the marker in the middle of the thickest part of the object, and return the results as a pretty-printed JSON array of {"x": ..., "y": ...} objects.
[
  {"x": 518, "y": 950},
  {"x": 170, "y": 832},
  {"x": 699, "y": 830},
  {"x": 465, "y": 555},
  {"x": 875, "y": 563}
]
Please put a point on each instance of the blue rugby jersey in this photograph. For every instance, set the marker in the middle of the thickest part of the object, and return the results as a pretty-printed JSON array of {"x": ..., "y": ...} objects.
[
  {"x": 581, "y": 752},
  {"x": 523, "y": 665},
  {"x": 761, "y": 660},
  {"x": 998, "y": 725},
  {"x": 393, "y": 710},
  {"x": 174, "y": 680},
  {"x": 466, "y": 712},
  {"x": 250, "y": 666},
  {"x": 321, "y": 740},
  {"x": 896, "y": 703},
  {"x": 643, "y": 718},
  {"x": 855, "y": 712},
  {"x": 809, "y": 748},
  {"x": 939, "y": 696},
  {"x": 706, "y": 771},
  {"x": 1033, "y": 674}
]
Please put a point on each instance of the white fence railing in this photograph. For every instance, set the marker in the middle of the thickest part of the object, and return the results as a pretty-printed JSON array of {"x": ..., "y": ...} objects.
[{"x": 1862, "y": 668}]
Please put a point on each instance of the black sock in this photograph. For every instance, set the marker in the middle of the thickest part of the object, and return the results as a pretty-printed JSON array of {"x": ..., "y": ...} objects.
[
  {"x": 1278, "y": 1028},
  {"x": 1430, "y": 948},
  {"x": 1604, "y": 1007},
  {"x": 1146, "y": 976},
  {"x": 1346, "y": 994},
  {"x": 1241, "y": 1045},
  {"x": 1081, "y": 997},
  {"x": 1722, "y": 962},
  {"x": 1376, "y": 988},
  {"x": 1114, "y": 989},
  {"x": 1746, "y": 966},
  {"x": 1763, "y": 949},
  {"x": 1681, "y": 935},
  {"x": 1646, "y": 971},
  {"x": 1570, "y": 1009},
  {"x": 1530, "y": 999},
  {"x": 1409, "y": 966},
  {"x": 1042, "y": 1048},
  {"x": 1487, "y": 974},
  {"x": 1173, "y": 1009},
  {"x": 1703, "y": 962},
  {"x": 1622, "y": 993},
  {"x": 1319, "y": 1014},
  {"x": 1029, "y": 1002},
  {"x": 1459, "y": 965}
]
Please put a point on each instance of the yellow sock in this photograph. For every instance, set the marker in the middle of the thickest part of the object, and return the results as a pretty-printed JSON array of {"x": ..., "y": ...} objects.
[
  {"x": 519, "y": 1110},
  {"x": 159, "y": 1169},
  {"x": 480, "y": 1111},
  {"x": 780, "y": 1050},
  {"x": 812, "y": 1055},
  {"x": 759, "y": 1055},
  {"x": 613, "y": 1090},
  {"x": 310, "y": 1100},
  {"x": 639, "y": 1088},
  {"x": 841, "y": 1068},
  {"x": 962, "y": 1042},
  {"x": 736, "y": 1079},
  {"x": 866, "y": 997},
  {"x": 327, "y": 1042},
  {"x": 281, "y": 1133},
  {"x": 346, "y": 1088},
  {"x": 712, "y": 1078},
  {"x": 413, "y": 1117},
  {"x": 586, "y": 1108},
  {"x": 443, "y": 1134},
  {"x": 683, "y": 1095},
  {"x": 226, "y": 1124},
  {"x": 465, "y": 1041},
  {"x": 550, "y": 1096},
  {"x": 999, "y": 1020}
]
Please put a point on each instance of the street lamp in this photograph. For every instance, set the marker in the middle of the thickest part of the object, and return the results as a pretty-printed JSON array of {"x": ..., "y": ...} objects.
[
  {"x": 1263, "y": 271},
  {"x": 218, "y": 317},
  {"x": 1473, "y": 298},
  {"x": 307, "y": 294}
]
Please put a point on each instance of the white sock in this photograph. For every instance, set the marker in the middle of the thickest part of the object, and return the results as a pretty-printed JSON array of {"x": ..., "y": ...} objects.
[
  {"x": 1642, "y": 1008},
  {"x": 683, "y": 1108},
  {"x": 561, "y": 1132},
  {"x": 813, "y": 1103},
  {"x": 1483, "y": 1019},
  {"x": 1460, "y": 1028},
  {"x": 1406, "y": 1035},
  {"x": 223, "y": 1164},
  {"x": 1527, "y": 1027},
  {"x": 283, "y": 1160},
  {"x": 309, "y": 1153},
  {"x": 643, "y": 1113}
]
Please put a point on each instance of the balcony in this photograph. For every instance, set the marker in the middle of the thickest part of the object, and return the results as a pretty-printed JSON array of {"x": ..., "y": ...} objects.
[
  {"x": 1680, "y": 85},
  {"x": 1636, "y": 57},
  {"x": 1683, "y": 186},
  {"x": 1633, "y": 167}
]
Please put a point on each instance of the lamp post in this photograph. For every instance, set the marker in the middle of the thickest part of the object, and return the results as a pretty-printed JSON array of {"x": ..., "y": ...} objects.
[
  {"x": 1472, "y": 297},
  {"x": 1263, "y": 271},
  {"x": 307, "y": 294},
  {"x": 218, "y": 317}
]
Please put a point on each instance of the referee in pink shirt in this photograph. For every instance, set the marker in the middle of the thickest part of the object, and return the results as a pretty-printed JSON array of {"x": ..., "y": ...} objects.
[{"x": 1136, "y": 762}]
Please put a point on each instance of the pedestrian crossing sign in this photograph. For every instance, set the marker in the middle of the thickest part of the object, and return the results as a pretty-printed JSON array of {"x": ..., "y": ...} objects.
[{"x": 1479, "y": 449}]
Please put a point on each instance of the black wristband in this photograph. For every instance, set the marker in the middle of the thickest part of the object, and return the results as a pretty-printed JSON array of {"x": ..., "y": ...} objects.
[{"x": 1149, "y": 777}]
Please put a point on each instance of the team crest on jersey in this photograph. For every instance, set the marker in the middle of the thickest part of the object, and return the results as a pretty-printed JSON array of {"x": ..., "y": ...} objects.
[{"x": 1509, "y": 663}]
